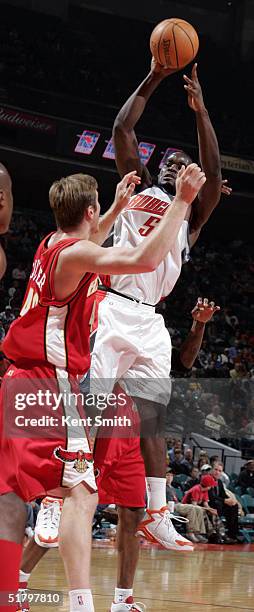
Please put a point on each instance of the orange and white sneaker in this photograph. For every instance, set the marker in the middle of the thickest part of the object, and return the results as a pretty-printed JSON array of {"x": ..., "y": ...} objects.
[
  {"x": 158, "y": 528},
  {"x": 47, "y": 524},
  {"x": 129, "y": 605}
]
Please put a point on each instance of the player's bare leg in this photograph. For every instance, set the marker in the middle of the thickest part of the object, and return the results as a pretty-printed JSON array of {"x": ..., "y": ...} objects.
[
  {"x": 12, "y": 527},
  {"x": 128, "y": 554},
  {"x": 75, "y": 543},
  {"x": 157, "y": 526},
  {"x": 32, "y": 554}
]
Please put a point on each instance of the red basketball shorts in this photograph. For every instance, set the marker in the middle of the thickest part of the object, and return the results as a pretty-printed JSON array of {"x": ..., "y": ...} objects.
[
  {"x": 43, "y": 441},
  {"x": 121, "y": 472}
]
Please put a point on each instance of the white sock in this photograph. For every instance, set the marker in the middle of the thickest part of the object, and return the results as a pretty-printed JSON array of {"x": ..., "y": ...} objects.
[
  {"x": 156, "y": 491},
  {"x": 122, "y": 594},
  {"x": 81, "y": 600},
  {"x": 23, "y": 577}
]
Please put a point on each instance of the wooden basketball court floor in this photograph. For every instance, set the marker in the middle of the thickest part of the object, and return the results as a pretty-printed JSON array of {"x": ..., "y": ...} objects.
[{"x": 210, "y": 579}]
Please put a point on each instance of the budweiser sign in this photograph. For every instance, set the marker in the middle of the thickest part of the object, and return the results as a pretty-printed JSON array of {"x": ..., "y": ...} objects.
[{"x": 19, "y": 119}]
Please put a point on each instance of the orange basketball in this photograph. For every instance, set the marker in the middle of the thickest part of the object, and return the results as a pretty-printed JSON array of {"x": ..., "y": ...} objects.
[{"x": 174, "y": 43}]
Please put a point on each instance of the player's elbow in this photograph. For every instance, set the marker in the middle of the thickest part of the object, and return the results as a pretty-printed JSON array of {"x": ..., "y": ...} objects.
[{"x": 120, "y": 128}]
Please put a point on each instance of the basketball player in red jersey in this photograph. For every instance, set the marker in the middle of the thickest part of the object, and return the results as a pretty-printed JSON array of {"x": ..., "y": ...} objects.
[
  {"x": 49, "y": 345},
  {"x": 6, "y": 206},
  {"x": 121, "y": 478},
  {"x": 143, "y": 360}
]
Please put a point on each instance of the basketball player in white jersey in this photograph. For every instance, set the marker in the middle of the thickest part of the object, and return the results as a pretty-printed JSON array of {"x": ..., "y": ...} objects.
[{"x": 132, "y": 343}]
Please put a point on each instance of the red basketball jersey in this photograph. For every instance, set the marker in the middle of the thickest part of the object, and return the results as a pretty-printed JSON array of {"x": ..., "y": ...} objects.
[{"x": 51, "y": 330}]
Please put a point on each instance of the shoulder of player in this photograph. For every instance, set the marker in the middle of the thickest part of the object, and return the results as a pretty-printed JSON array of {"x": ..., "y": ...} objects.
[{"x": 81, "y": 249}]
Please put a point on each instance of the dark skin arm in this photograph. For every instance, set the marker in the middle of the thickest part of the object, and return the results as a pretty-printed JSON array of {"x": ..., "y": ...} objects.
[
  {"x": 125, "y": 140},
  {"x": 202, "y": 313},
  {"x": 126, "y": 146},
  {"x": 209, "y": 156}
]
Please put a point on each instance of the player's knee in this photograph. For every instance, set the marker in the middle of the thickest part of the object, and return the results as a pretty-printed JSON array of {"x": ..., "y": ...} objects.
[{"x": 129, "y": 518}]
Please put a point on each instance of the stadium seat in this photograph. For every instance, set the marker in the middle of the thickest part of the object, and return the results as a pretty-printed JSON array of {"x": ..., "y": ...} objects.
[
  {"x": 250, "y": 491},
  {"x": 238, "y": 491},
  {"x": 246, "y": 523},
  {"x": 247, "y": 502}
]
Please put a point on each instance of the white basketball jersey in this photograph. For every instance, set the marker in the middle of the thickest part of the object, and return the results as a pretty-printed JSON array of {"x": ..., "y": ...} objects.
[{"x": 133, "y": 224}]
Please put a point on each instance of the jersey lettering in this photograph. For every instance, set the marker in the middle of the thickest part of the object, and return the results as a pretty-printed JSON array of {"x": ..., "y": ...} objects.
[
  {"x": 37, "y": 274},
  {"x": 148, "y": 204},
  {"x": 31, "y": 301},
  {"x": 148, "y": 226}
]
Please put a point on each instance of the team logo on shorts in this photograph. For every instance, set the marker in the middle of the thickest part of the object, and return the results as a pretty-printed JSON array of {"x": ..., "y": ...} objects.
[{"x": 81, "y": 461}]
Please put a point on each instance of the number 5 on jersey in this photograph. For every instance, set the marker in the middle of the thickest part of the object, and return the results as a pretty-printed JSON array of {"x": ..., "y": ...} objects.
[{"x": 149, "y": 225}]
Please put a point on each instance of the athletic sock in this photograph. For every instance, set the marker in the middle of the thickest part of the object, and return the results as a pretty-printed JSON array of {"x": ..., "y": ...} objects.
[
  {"x": 81, "y": 600},
  {"x": 122, "y": 594},
  {"x": 23, "y": 579},
  {"x": 10, "y": 556},
  {"x": 156, "y": 491}
]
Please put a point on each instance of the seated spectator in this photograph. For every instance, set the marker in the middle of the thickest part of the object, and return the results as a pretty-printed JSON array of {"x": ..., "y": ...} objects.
[
  {"x": 246, "y": 476},
  {"x": 225, "y": 506},
  {"x": 215, "y": 423},
  {"x": 207, "y": 468},
  {"x": 188, "y": 459},
  {"x": 192, "y": 480},
  {"x": 203, "y": 459},
  {"x": 195, "y": 528},
  {"x": 179, "y": 465}
]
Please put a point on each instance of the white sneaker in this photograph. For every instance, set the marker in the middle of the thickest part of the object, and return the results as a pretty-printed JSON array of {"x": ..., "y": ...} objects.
[
  {"x": 128, "y": 605},
  {"x": 47, "y": 524},
  {"x": 157, "y": 528}
]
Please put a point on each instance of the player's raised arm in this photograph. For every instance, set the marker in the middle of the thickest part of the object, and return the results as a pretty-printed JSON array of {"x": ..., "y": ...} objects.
[
  {"x": 209, "y": 156},
  {"x": 125, "y": 141},
  {"x": 201, "y": 314},
  {"x": 124, "y": 191},
  {"x": 84, "y": 256}
]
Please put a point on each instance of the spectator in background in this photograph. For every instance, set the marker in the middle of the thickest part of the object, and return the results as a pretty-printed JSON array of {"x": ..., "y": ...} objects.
[
  {"x": 188, "y": 459},
  {"x": 192, "y": 480},
  {"x": 246, "y": 476},
  {"x": 215, "y": 423},
  {"x": 7, "y": 316},
  {"x": 206, "y": 469},
  {"x": 176, "y": 446},
  {"x": 19, "y": 273},
  {"x": 203, "y": 459},
  {"x": 195, "y": 528},
  {"x": 225, "y": 506},
  {"x": 179, "y": 465}
]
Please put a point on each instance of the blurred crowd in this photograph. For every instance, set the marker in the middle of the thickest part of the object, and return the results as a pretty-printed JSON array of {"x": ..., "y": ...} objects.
[{"x": 78, "y": 60}]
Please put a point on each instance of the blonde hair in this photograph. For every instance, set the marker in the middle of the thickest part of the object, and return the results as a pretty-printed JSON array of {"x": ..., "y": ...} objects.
[{"x": 70, "y": 197}]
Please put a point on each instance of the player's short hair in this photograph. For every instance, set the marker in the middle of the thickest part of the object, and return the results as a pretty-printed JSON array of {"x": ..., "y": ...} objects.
[{"x": 70, "y": 197}]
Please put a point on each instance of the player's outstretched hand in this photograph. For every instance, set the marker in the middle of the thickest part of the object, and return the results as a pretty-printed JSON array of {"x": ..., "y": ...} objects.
[
  {"x": 225, "y": 188},
  {"x": 189, "y": 182},
  {"x": 194, "y": 91},
  {"x": 204, "y": 310},
  {"x": 125, "y": 189},
  {"x": 161, "y": 71}
]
